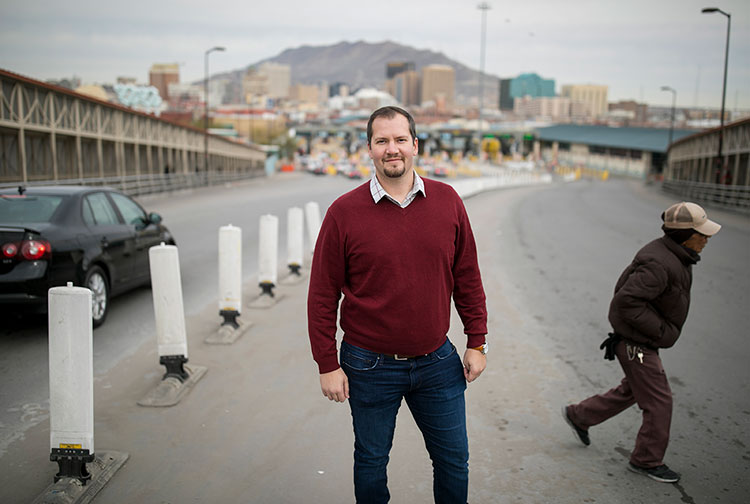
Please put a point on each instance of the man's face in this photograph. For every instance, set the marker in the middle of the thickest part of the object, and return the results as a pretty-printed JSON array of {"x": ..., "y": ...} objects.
[
  {"x": 391, "y": 147},
  {"x": 696, "y": 242}
]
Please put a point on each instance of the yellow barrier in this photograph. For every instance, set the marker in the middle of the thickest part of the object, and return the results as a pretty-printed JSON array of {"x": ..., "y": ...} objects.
[{"x": 582, "y": 172}]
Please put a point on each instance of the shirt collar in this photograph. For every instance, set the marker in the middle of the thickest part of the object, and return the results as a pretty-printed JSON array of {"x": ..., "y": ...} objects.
[{"x": 378, "y": 193}]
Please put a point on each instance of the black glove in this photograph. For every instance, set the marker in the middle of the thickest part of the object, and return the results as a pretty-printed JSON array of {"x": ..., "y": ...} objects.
[{"x": 610, "y": 343}]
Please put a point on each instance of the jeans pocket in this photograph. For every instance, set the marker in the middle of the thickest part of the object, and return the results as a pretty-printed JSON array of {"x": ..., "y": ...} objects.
[
  {"x": 445, "y": 351},
  {"x": 358, "y": 359}
]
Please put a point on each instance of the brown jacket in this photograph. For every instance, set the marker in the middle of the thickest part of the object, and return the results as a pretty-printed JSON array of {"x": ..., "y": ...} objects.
[{"x": 652, "y": 296}]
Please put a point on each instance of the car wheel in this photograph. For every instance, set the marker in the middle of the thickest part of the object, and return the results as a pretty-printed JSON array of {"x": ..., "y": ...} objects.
[{"x": 97, "y": 283}]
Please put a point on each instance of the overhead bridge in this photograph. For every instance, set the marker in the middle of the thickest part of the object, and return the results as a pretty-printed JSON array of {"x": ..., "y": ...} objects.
[{"x": 51, "y": 135}]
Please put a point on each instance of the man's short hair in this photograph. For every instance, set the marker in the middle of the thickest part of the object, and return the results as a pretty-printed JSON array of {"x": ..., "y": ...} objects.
[{"x": 390, "y": 112}]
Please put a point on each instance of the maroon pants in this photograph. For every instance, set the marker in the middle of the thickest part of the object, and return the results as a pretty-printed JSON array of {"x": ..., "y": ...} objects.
[{"x": 645, "y": 384}]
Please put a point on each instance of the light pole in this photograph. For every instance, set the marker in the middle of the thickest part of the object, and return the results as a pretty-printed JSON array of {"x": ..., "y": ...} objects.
[
  {"x": 484, "y": 7},
  {"x": 671, "y": 120},
  {"x": 719, "y": 161},
  {"x": 205, "y": 102}
]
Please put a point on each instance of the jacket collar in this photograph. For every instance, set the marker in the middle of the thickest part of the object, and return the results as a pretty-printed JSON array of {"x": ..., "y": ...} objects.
[{"x": 684, "y": 254}]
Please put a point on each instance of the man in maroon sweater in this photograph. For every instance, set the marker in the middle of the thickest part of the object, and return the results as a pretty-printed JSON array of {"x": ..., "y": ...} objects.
[{"x": 398, "y": 248}]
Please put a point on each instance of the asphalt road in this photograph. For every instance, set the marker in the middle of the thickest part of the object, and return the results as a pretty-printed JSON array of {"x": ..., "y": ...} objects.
[
  {"x": 256, "y": 428},
  {"x": 194, "y": 218}
]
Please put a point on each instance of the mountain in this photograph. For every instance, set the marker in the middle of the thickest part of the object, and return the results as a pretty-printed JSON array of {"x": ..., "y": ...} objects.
[{"x": 362, "y": 64}]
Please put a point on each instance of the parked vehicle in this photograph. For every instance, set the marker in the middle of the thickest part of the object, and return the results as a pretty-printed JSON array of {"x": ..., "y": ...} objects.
[
  {"x": 353, "y": 173},
  {"x": 440, "y": 171},
  {"x": 92, "y": 236}
]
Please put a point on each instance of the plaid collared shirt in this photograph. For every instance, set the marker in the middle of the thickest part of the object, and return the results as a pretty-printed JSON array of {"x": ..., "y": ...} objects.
[{"x": 379, "y": 193}]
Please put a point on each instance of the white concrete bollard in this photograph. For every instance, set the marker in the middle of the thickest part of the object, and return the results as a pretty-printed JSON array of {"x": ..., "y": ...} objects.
[
  {"x": 295, "y": 238},
  {"x": 169, "y": 313},
  {"x": 71, "y": 381},
  {"x": 267, "y": 253},
  {"x": 230, "y": 274},
  {"x": 312, "y": 212}
]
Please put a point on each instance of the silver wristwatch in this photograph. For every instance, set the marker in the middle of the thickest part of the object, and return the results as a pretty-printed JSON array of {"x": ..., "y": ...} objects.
[{"x": 482, "y": 348}]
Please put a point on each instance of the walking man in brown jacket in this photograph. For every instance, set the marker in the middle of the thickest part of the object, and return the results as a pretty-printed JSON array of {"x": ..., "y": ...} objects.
[{"x": 647, "y": 312}]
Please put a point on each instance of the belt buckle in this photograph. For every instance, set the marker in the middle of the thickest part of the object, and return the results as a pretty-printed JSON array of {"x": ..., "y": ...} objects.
[{"x": 397, "y": 357}]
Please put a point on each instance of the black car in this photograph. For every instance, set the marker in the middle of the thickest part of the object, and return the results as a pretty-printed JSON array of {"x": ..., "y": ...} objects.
[{"x": 94, "y": 237}]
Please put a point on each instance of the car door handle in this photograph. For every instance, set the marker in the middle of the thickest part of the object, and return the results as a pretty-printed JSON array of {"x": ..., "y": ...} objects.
[{"x": 104, "y": 242}]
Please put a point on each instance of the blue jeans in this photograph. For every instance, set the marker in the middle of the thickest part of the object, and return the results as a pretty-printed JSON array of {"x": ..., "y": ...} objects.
[{"x": 433, "y": 387}]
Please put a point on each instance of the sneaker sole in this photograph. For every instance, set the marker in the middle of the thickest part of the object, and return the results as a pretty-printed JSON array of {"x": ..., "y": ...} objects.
[
  {"x": 564, "y": 413},
  {"x": 637, "y": 470}
]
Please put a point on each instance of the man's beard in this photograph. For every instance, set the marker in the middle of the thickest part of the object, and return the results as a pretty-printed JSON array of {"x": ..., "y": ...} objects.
[{"x": 394, "y": 172}]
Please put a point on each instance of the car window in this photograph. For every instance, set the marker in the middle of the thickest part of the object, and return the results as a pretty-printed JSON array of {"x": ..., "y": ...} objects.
[
  {"x": 103, "y": 212},
  {"x": 88, "y": 214},
  {"x": 17, "y": 209},
  {"x": 129, "y": 209}
]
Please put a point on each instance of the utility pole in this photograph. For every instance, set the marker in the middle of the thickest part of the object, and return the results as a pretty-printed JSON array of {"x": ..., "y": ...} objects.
[
  {"x": 484, "y": 7},
  {"x": 205, "y": 111}
]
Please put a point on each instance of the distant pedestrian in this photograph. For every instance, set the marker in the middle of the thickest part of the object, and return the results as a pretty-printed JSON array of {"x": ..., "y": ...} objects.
[
  {"x": 398, "y": 248},
  {"x": 647, "y": 312}
]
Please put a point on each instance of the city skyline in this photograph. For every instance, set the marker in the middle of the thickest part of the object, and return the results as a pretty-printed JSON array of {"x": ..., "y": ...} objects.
[{"x": 633, "y": 48}]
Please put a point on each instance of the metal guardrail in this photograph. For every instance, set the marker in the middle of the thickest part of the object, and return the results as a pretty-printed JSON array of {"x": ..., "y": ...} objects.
[
  {"x": 138, "y": 185},
  {"x": 729, "y": 197}
]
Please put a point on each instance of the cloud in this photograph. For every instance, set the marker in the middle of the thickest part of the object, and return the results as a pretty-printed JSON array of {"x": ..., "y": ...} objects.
[{"x": 634, "y": 45}]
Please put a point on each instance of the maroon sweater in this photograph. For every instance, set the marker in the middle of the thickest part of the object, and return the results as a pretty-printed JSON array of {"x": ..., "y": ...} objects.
[{"x": 397, "y": 268}]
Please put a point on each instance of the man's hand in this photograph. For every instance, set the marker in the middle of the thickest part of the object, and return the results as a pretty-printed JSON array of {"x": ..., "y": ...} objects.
[
  {"x": 474, "y": 363},
  {"x": 335, "y": 385}
]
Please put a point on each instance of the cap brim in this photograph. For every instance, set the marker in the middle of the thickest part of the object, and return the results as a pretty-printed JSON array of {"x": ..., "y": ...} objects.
[{"x": 708, "y": 228}]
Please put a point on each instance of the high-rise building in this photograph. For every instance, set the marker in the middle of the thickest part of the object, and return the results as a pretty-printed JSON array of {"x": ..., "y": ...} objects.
[
  {"x": 638, "y": 112},
  {"x": 439, "y": 86},
  {"x": 529, "y": 84},
  {"x": 338, "y": 89},
  {"x": 161, "y": 75},
  {"x": 404, "y": 87},
  {"x": 305, "y": 93},
  {"x": 394, "y": 68},
  {"x": 268, "y": 79},
  {"x": 279, "y": 79},
  {"x": 593, "y": 96},
  {"x": 544, "y": 107}
]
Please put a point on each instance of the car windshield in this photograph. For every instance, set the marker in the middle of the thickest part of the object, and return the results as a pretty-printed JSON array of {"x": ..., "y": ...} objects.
[{"x": 19, "y": 209}]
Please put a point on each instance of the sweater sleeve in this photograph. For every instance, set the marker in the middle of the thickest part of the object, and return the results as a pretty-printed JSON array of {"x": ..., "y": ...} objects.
[
  {"x": 632, "y": 301},
  {"x": 468, "y": 293},
  {"x": 326, "y": 282}
]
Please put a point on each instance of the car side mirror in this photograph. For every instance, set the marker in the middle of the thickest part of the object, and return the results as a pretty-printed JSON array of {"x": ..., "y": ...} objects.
[{"x": 154, "y": 218}]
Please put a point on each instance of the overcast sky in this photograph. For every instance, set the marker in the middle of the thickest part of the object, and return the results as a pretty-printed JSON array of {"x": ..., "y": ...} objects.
[{"x": 633, "y": 46}]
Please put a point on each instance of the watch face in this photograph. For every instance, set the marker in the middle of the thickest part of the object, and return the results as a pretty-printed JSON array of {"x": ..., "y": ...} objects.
[{"x": 485, "y": 348}]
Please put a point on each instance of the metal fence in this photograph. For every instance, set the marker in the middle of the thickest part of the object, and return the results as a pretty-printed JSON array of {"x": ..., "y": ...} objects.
[
  {"x": 730, "y": 197},
  {"x": 137, "y": 185}
]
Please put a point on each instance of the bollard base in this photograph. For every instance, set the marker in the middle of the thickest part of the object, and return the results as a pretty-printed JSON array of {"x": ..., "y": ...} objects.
[
  {"x": 264, "y": 301},
  {"x": 72, "y": 463},
  {"x": 171, "y": 390},
  {"x": 175, "y": 366},
  {"x": 227, "y": 334},
  {"x": 293, "y": 278},
  {"x": 72, "y": 491},
  {"x": 230, "y": 318}
]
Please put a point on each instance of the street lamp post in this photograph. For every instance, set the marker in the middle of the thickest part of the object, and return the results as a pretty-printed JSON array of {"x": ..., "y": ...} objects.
[
  {"x": 719, "y": 161},
  {"x": 671, "y": 120},
  {"x": 484, "y": 7},
  {"x": 205, "y": 102}
]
